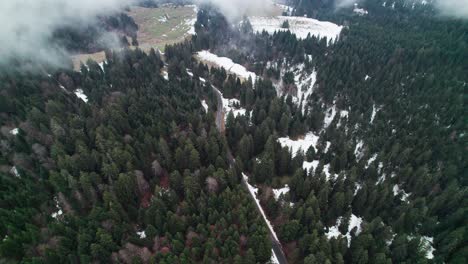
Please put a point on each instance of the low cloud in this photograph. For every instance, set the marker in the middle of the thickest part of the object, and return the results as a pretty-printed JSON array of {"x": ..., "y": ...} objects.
[
  {"x": 27, "y": 26},
  {"x": 454, "y": 8},
  {"x": 235, "y": 9}
]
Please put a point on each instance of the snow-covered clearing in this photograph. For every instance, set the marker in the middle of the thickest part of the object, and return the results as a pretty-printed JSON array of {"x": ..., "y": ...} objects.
[
  {"x": 253, "y": 191},
  {"x": 282, "y": 191},
  {"x": 301, "y": 144},
  {"x": 205, "y": 105},
  {"x": 80, "y": 94},
  {"x": 354, "y": 221},
  {"x": 228, "y": 64},
  {"x": 300, "y": 26},
  {"x": 234, "y": 106}
]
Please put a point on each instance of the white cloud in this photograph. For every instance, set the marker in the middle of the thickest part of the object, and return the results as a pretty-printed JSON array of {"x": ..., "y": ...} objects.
[{"x": 27, "y": 25}]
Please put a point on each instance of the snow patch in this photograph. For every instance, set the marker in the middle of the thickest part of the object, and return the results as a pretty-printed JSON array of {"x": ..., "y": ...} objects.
[
  {"x": 59, "y": 211},
  {"x": 374, "y": 113},
  {"x": 354, "y": 222},
  {"x": 282, "y": 191},
  {"x": 274, "y": 259},
  {"x": 141, "y": 234},
  {"x": 234, "y": 106},
  {"x": 359, "y": 150},
  {"x": 427, "y": 245},
  {"x": 205, "y": 105},
  {"x": 371, "y": 159},
  {"x": 300, "y": 26},
  {"x": 80, "y": 94},
  {"x": 228, "y": 64},
  {"x": 14, "y": 131},
  {"x": 397, "y": 191},
  {"x": 15, "y": 172},
  {"x": 359, "y": 11},
  {"x": 165, "y": 75},
  {"x": 301, "y": 144}
]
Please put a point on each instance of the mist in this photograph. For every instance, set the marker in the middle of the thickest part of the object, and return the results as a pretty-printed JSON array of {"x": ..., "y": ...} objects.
[
  {"x": 453, "y": 8},
  {"x": 27, "y": 26},
  {"x": 234, "y": 10}
]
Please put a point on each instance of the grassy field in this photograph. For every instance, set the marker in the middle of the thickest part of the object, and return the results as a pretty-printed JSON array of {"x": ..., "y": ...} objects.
[
  {"x": 162, "y": 26},
  {"x": 157, "y": 28}
]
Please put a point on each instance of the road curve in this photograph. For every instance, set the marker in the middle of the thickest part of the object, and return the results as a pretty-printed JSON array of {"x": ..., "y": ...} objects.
[{"x": 220, "y": 124}]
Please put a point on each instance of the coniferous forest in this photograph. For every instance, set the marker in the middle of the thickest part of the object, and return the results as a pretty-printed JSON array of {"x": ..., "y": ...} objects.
[{"x": 139, "y": 171}]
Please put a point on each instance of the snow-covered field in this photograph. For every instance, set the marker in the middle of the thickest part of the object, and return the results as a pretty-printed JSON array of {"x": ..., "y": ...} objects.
[
  {"x": 301, "y": 26},
  {"x": 226, "y": 63},
  {"x": 354, "y": 221}
]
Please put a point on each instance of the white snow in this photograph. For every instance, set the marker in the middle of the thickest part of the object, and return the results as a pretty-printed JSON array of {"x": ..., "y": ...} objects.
[
  {"x": 300, "y": 26},
  {"x": 359, "y": 11},
  {"x": 234, "y": 106},
  {"x": 330, "y": 115},
  {"x": 310, "y": 165},
  {"x": 274, "y": 259},
  {"x": 101, "y": 64},
  {"x": 303, "y": 144},
  {"x": 282, "y": 191},
  {"x": 15, "y": 172},
  {"x": 141, "y": 234},
  {"x": 165, "y": 75},
  {"x": 374, "y": 112},
  {"x": 427, "y": 244},
  {"x": 359, "y": 150},
  {"x": 305, "y": 87},
  {"x": 80, "y": 94},
  {"x": 191, "y": 22},
  {"x": 397, "y": 191},
  {"x": 205, "y": 105},
  {"x": 358, "y": 187},
  {"x": 253, "y": 191},
  {"x": 354, "y": 221},
  {"x": 371, "y": 159},
  {"x": 14, "y": 131},
  {"x": 59, "y": 211},
  {"x": 228, "y": 64}
]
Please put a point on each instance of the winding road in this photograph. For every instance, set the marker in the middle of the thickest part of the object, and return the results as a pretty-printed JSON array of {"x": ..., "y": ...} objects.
[{"x": 220, "y": 124}]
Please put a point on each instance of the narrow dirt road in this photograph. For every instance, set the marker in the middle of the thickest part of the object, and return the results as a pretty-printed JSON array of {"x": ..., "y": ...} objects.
[{"x": 276, "y": 245}]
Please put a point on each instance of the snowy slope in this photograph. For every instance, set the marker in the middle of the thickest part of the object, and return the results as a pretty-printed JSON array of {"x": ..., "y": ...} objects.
[
  {"x": 301, "y": 26},
  {"x": 226, "y": 63}
]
